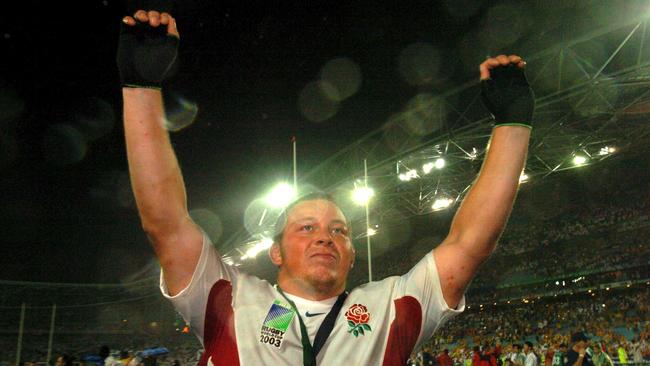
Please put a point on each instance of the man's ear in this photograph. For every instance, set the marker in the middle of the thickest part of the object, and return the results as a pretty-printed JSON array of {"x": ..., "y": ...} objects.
[{"x": 275, "y": 253}]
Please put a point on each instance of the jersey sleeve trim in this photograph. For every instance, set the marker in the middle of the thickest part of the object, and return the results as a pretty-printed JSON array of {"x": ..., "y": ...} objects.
[
  {"x": 447, "y": 311},
  {"x": 198, "y": 270}
]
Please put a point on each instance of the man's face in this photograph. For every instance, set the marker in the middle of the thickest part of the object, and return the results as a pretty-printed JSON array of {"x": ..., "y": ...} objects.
[
  {"x": 316, "y": 246},
  {"x": 526, "y": 348}
]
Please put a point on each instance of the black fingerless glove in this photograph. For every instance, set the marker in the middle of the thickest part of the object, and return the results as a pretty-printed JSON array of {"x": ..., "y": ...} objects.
[
  {"x": 508, "y": 96},
  {"x": 145, "y": 55}
]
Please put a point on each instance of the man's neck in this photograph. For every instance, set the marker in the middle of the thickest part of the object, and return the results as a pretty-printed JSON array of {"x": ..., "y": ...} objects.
[{"x": 307, "y": 291}]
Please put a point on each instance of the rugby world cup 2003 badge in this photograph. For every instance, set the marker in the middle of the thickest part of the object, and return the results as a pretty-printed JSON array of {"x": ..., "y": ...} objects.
[
  {"x": 276, "y": 324},
  {"x": 358, "y": 318}
]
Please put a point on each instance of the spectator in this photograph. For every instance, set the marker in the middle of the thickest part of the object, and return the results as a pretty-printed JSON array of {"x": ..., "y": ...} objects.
[
  {"x": 600, "y": 357},
  {"x": 622, "y": 354},
  {"x": 531, "y": 358},
  {"x": 476, "y": 356},
  {"x": 444, "y": 359},
  {"x": 577, "y": 354},
  {"x": 64, "y": 360},
  {"x": 559, "y": 357},
  {"x": 517, "y": 357},
  {"x": 426, "y": 358}
]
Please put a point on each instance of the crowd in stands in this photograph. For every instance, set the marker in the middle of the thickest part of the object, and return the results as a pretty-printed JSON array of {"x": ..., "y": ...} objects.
[
  {"x": 621, "y": 216},
  {"x": 617, "y": 323},
  {"x": 121, "y": 349},
  {"x": 614, "y": 320},
  {"x": 608, "y": 243}
]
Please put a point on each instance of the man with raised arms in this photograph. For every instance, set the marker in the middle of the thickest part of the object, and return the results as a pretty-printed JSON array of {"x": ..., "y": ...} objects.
[{"x": 308, "y": 317}]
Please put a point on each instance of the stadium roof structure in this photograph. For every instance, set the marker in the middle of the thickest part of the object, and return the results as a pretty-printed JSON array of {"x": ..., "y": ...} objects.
[{"x": 592, "y": 99}]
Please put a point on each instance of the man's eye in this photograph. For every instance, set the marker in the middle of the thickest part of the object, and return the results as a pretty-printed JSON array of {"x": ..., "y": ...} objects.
[
  {"x": 339, "y": 231},
  {"x": 307, "y": 228}
]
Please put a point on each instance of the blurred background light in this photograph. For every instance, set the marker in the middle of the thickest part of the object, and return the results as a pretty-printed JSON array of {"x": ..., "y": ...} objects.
[
  {"x": 579, "y": 160},
  {"x": 281, "y": 195},
  {"x": 418, "y": 63},
  {"x": 253, "y": 251},
  {"x": 410, "y": 174},
  {"x": 426, "y": 168},
  {"x": 362, "y": 195},
  {"x": 442, "y": 203},
  {"x": 606, "y": 150},
  {"x": 440, "y": 163},
  {"x": 344, "y": 77},
  {"x": 318, "y": 101}
]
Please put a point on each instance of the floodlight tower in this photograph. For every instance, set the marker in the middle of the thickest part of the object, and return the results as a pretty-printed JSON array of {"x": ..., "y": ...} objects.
[{"x": 362, "y": 196}]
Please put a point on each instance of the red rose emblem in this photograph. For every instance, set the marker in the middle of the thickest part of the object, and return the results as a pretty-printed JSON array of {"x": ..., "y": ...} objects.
[
  {"x": 358, "y": 314},
  {"x": 358, "y": 318}
]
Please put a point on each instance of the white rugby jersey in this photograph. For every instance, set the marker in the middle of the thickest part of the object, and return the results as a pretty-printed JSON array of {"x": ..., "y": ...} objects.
[{"x": 243, "y": 320}]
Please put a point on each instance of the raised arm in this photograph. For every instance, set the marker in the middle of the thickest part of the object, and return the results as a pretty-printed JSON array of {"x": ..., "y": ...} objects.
[
  {"x": 155, "y": 174},
  {"x": 483, "y": 214}
]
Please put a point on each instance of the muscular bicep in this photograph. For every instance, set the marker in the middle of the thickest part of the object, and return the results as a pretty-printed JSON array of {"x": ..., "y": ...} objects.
[
  {"x": 178, "y": 252},
  {"x": 456, "y": 268}
]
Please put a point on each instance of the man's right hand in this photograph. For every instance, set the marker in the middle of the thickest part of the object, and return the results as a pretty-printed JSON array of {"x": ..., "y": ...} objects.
[{"x": 148, "y": 47}]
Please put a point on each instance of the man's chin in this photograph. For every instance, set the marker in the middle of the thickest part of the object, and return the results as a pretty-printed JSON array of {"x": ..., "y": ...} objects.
[{"x": 323, "y": 282}]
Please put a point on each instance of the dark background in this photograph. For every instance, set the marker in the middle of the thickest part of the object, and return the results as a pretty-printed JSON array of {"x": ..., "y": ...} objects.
[{"x": 66, "y": 210}]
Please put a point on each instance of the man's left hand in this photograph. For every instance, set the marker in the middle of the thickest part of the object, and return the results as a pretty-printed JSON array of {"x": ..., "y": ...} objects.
[{"x": 505, "y": 91}]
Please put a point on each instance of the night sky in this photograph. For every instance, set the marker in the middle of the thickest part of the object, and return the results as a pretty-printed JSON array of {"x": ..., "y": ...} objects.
[{"x": 66, "y": 211}]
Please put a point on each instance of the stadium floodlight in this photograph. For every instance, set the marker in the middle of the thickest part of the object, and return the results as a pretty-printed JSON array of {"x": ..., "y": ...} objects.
[
  {"x": 523, "y": 178},
  {"x": 606, "y": 150},
  {"x": 281, "y": 195},
  {"x": 411, "y": 174},
  {"x": 440, "y": 163},
  {"x": 579, "y": 160},
  {"x": 441, "y": 203},
  {"x": 261, "y": 245},
  {"x": 362, "y": 195},
  {"x": 427, "y": 168},
  {"x": 472, "y": 155}
]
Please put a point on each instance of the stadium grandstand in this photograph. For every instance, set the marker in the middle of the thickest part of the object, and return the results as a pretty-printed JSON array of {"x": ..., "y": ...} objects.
[
  {"x": 579, "y": 267},
  {"x": 575, "y": 256}
]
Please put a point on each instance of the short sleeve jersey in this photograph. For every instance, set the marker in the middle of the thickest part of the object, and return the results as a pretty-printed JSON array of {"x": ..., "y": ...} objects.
[
  {"x": 558, "y": 359},
  {"x": 243, "y": 320}
]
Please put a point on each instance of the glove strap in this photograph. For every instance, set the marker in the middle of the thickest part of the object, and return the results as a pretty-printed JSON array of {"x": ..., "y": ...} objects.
[{"x": 514, "y": 124}]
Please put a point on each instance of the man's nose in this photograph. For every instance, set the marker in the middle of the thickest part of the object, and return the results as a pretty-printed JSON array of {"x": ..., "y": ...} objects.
[{"x": 325, "y": 239}]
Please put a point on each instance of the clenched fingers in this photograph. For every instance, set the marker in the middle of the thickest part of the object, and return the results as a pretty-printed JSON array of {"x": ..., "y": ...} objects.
[
  {"x": 500, "y": 60},
  {"x": 154, "y": 19}
]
